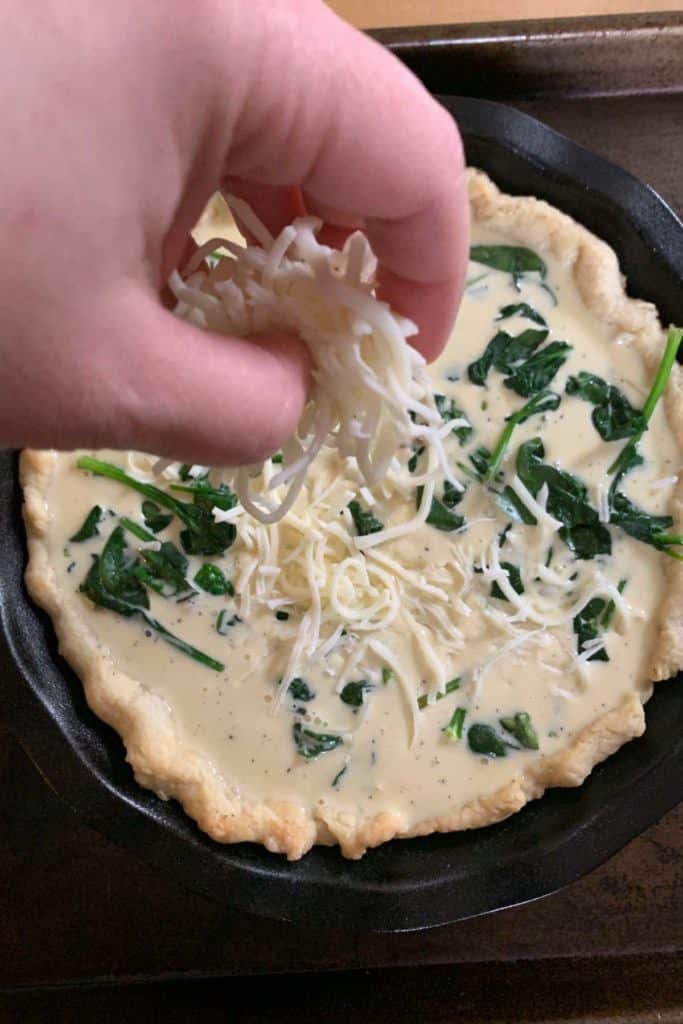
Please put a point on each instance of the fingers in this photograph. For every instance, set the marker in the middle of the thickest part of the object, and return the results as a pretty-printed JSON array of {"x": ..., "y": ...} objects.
[
  {"x": 152, "y": 382},
  {"x": 209, "y": 398},
  {"x": 275, "y": 207},
  {"x": 361, "y": 136}
]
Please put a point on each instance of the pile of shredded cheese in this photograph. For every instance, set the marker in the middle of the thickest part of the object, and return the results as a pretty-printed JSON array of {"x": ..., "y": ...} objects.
[
  {"x": 372, "y": 405},
  {"x": 372, "y": 399}
]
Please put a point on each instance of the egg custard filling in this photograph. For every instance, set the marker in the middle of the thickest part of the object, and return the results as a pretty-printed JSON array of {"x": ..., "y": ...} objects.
[{"x": 424, "y": 651}]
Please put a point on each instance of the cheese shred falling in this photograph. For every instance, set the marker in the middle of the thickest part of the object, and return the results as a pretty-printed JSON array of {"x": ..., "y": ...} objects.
[{"x": 371, "y": 396}]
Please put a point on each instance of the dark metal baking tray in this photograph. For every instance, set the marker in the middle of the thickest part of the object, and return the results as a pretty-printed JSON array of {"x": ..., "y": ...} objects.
[{"x": 405, "y": 884}]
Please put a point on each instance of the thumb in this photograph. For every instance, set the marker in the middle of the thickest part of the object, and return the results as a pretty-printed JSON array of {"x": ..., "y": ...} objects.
[{"x": 152, "y": 382}]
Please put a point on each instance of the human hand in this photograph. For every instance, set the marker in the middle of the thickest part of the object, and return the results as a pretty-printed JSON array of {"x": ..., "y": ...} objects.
[{"x": 125, "y": 118}]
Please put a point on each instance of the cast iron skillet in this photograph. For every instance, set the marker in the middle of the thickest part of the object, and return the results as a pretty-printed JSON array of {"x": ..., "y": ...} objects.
[{"x": 405, "y": 884}]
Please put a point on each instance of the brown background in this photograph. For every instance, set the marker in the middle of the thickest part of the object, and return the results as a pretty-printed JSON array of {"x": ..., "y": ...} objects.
[{"x": 382, "y": 13}]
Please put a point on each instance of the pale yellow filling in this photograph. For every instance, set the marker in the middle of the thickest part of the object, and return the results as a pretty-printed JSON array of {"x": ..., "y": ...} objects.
[{"x": 396, "y": 758}]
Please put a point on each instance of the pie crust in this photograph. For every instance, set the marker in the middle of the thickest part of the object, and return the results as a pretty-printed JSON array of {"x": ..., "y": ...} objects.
[{"x": 166, "y": 765}]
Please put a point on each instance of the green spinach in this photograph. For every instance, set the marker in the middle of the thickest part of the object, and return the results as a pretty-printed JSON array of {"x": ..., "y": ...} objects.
[
  {"x": 521, "y": 309},
  {"x": 164, "y": 570},
  {"x": 448, "y": 410},
  {"x": 545, "y": 401},
  {"x": 441, "y": 515},
  {"x": 537, "y": 372},
  {"x": 520, "y": 727},
  {"x": 514, "y": 577},
  {"x": 613, "y": 416},
  {"x": 212, "y": 579},
  {"x": 223, "y": 624},
  {"x": 451, "y": 686},
  {"x": 202, "y": 535},
  {"x": 354, "y": 693},
  {"x": 364, "y": 521},
  {"x": 581, "y": 529},
  {"x": 89, "y": 528},
  {"x": 300, "y": 690},
  {"x": 515, "y": 260},
  {"x": 455, "y": 726},
  {"x": 155, "y": 519},
  {"x": 312, "y": 744},
  {"x": 628, "y": 458},
  {"x": 649, "y": 529},
  {"x": 112, "y": 583},
  {"x": 504, "y": 353},
  {"x": 483, "y": 739}
]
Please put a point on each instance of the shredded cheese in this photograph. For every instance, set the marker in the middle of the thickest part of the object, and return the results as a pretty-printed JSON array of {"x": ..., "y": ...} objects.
[{"x": 372, "y": 396}]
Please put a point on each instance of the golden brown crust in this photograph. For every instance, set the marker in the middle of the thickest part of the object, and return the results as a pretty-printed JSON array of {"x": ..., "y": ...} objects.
[{"x": 164, "y": 763}]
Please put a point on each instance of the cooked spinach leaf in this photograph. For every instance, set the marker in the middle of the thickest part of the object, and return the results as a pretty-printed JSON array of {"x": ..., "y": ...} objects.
[
  {"x": 300, "y": 690},
  {"x": 155, "y": 519},
  {"x": 514, "y": 577},
  {"x": 639, "y": 524},
  {"x": 415, "y": 457},
  {"x": 441, "y": 515},
  {"x": 448, "y": 410},
  {"x": 502, "y": 536},
  {"x": 613, "y": 416},
  {"x": 163, "y": 570},
  {"x": 387, "y": 675},
  {"x": 521, "y": 309},
  {"x": 354, "y": 693},
  {"x": 520, "y": 727},
  {"x": 587, "y": 627},
  {"x": 207, "y": 495},
  {"x": 512, "y": 506},
  {"x": 627, "y": 460},
  {"x": 202, "y": 535},
  {"x": 213, "y": 580},
  {"x": 89, "y": 528},
  {"x": 581, "y": 530},
  {"x": 223, "y": 623},
  {"x": 480, "y": 460},
  {"x": 364, "y": 521},
  {"x": 451, "y": 686},
  {"x": 483, "y": 739},
  {"x": 454, "y": 728},
  {"x": 536, "y": 373},
  {"x": 312, "y": 744},
  {"x": 112, "y": 583},
  {"x": 504, "y": 353},
  {"x": 515, "y": 260}
]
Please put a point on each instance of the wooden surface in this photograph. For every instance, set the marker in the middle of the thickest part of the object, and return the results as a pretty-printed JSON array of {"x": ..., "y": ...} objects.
[
  {"x": 78, "y": 910},
  {"x": 384, "y": 13}
]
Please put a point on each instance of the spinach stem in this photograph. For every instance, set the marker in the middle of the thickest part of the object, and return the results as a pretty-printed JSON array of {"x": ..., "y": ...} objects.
[
  {"x": 500, "y": 449},
  {"x": 182, "y": 645},
  {"x": 148, "y": 490},
  {"x": 673, "y": 342},
  {"x": 451, "y": 686},
  {"x": 543, "y": 401},
  {"x": 138, "y": 531}
]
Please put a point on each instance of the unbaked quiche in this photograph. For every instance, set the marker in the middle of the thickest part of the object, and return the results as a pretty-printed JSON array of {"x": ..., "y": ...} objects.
[{"x": 384, "y": 660}]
